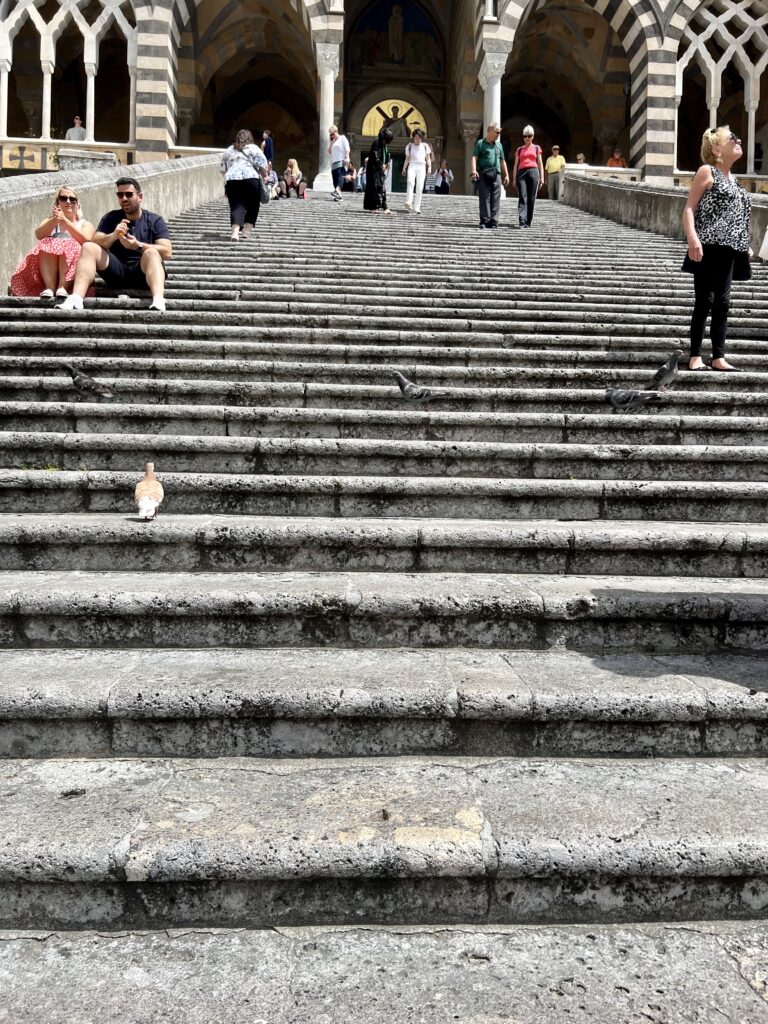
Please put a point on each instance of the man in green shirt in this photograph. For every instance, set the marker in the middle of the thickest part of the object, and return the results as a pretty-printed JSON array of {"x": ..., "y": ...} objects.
[{"x": 489, "y": 170}]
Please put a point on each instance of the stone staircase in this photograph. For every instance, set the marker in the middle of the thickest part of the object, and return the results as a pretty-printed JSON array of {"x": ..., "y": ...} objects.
[{"x": 461, "y": 709}]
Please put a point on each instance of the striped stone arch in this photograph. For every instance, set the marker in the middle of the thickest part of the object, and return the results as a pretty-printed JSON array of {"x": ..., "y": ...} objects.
[
  {"x": 639, "y": 26},
  {"x": 160, "y": 26},
  {"x": 235, "y": 39}
]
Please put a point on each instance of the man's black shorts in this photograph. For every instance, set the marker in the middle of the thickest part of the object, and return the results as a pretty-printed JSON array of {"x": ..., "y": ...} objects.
[{"x": 118, "y": 273}]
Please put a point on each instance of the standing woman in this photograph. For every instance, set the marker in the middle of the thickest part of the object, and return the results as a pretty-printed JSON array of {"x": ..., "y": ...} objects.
[
  {"x": 443, "y": 179},
  {"x": 418, "y": 164},
  {"x": 243, "y": 166},
  {"x": 716, "y": 223},
  {"x": 375, "y": 199},
  {"x": 49, "y": 266},
  {"x": 528, "y": 176}
]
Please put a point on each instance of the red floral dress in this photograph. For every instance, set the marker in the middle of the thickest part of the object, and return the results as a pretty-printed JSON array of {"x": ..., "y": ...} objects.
[{"x": 26, "y": 279}]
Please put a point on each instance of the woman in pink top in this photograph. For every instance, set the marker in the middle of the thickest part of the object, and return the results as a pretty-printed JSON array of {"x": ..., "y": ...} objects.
[{"x": 528, "y": 176}]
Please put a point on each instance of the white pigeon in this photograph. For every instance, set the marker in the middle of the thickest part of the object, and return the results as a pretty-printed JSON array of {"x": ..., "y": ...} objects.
[{"x": 148, "y": 494}]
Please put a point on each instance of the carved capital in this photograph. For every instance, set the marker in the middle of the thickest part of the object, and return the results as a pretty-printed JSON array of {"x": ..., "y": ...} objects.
[
  {"x": 183, "y": 117},
  {"x": 91, "y": 69},
  {"x": 5, "y": 65},
  {"x": 471, "y": 130},
  {"x": 494, "y": 65},
  {"x": 327, "y": 57},
  {"x": 48, "y": 66}
]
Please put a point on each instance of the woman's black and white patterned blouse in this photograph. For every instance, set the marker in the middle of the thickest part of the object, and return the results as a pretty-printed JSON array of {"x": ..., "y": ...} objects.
[{"x": 722, "y": 216}]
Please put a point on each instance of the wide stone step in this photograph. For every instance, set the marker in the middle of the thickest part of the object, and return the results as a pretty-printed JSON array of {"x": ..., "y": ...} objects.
[
  {"x": 145, "y": 391},
  {"x": 348, "y": 457},
  {"x": 587, "y": 974},
  {"x": 371, "y": 374},
  {"x": 593, "y": 614},
  {"x": 351, "y": 703},
  {"x": 37, "y": 491},
  {"x": 141, "y": 843},
  {"x": 407, "y": 424},
  {"x": 242, "y": 543}
]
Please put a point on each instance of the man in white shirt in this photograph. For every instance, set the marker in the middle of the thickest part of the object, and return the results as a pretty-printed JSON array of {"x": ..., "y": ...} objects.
[
  {"x": 77, "y": 133},
  {"x": 339, "y": 153}
]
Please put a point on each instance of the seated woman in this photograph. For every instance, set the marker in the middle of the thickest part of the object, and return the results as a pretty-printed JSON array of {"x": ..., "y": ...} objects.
[
  {"x": 349, "y": 178},
  {"x": 293, "y": 183},
  {"x": 272, "y": 182},
  {"x": 49, "y": 266}
]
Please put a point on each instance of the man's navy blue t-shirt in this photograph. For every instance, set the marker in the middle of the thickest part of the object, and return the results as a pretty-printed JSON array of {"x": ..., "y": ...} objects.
[{"x": 149, "y": 228}]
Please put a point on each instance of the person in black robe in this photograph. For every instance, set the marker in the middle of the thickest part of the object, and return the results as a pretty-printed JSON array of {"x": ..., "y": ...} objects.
[{"x": 375, "y": 198}]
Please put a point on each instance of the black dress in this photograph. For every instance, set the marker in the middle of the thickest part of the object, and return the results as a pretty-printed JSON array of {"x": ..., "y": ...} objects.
[{"x": 375, "y": 180}]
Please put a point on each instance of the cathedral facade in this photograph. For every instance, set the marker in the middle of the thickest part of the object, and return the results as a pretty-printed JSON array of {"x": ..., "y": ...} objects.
[{"x": 154, "y": 79}]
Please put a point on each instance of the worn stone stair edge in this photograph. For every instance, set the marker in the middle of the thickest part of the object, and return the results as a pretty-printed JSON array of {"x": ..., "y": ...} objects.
[
  {"x": 397, "y": 683},
  {"x": 177, "y": 821}
]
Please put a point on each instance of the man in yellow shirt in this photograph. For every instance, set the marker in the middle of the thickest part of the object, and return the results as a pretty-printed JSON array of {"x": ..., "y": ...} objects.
[{"x": 554, "y": 171}]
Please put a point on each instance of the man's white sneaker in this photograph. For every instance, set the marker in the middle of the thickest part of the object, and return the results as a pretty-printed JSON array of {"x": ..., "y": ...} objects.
[
  {"x": 158, "y": 304},
  {"x": 71, "y": 302}
]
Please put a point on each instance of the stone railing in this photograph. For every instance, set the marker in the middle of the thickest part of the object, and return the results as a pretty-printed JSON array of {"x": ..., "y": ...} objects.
[
  {"x": 751, "y": 182},
  {"x": 599, "y": 171},
  {"x": 169, "y": 187},
  {"x": 651, "y": 207},
  {"x": 45, "y": 154}
]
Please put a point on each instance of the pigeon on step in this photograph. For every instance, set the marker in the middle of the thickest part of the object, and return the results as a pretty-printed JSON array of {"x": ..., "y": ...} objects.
[
  {"x": 415, "y": 392},
  {"x": 148, "y": 494},
  {"x": 84, "y": 385},
  {"x": 631, "y": 401},
  {"x": 666, "y": 373}
]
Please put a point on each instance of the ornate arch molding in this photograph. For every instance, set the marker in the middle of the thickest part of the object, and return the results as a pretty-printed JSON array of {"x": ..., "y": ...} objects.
[
  {"x": 635, "y": 22},
  {"x": 368, "y": 97}
]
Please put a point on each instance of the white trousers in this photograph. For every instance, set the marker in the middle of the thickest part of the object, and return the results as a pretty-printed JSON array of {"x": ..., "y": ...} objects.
[{"x": 416, "y": 175}]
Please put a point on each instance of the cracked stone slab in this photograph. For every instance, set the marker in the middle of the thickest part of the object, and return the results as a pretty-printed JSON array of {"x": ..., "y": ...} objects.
[{"x": 694, "y": 973}]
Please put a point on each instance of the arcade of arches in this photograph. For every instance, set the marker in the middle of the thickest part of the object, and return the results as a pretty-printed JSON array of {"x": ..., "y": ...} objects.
[{"x": 160, "y": 75}]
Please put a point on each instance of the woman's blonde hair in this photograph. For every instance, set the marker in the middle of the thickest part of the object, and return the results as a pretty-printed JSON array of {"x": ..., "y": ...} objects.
[
  {"x": 713, "y": 137},
  {"x": 293, "y": 167},
  {"x": 69, "y": 188}
]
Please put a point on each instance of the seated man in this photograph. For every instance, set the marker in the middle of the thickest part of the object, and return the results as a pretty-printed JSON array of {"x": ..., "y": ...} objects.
[{"x": 127, "y": 250}]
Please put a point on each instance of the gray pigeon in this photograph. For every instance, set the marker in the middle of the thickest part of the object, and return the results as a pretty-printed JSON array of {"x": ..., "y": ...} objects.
[
  {"x": 415, "y": 392},
  {"x": 84, "y": 385},
  {"x": 666, "y": 374},
  {"x": 631, "y": 401}
]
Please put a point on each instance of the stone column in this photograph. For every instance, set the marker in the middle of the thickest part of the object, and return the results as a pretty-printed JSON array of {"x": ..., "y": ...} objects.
[
  {"x": 183, "y": 124},
  {"x": 751, "y": 111},
  {"x": 5, "y": 68},
  {"x": 132, "y": 105},
  {"x": 470, "y": 131},
  {"x": 90, "y": 100},
  {"x": 48, "y": 68},
  {"x": 491, "y": 73},
  {"x": 327, "y": 70}
]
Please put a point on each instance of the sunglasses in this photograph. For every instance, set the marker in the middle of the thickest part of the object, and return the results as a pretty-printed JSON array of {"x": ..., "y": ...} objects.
[
  {"x": 125, "y": 195},
  {"x": 66, "y": 199},
  {"x": 734, "y": 138},
  {"x": 527, "y": 136}
]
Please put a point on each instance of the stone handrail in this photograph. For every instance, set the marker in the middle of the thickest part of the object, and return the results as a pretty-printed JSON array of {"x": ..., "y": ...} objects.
[
  {"x": 169, "y": 186},
  {"x": 652, "y": 207}
]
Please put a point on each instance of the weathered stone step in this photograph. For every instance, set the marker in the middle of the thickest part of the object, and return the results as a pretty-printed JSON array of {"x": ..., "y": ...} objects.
[
  {"x": 352, "y": 703},
  {"x": 145, "y": 843},
  {"x": 353, "y": 457},
  {"x": 370, "y": 374},
  {"x": 242, "y": 543},
  {"x": 411, "y": 424},
  {"x": 37, "y": 491},
  {"x": 587, "y": 974},
  {"x": 680, "y": 401},
  {"x": 373, "y": 609}
]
